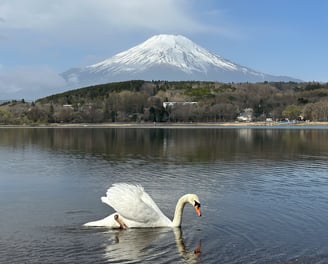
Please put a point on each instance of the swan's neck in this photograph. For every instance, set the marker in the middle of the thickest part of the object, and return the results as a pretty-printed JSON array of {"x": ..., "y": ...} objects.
[{"x": 177, "y": 219}]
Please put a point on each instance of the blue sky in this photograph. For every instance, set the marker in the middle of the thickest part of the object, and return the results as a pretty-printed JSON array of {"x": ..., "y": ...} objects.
[{"x": 41, "y": 38}]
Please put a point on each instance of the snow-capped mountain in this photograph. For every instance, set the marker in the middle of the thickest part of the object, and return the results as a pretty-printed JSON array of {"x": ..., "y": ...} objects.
[{"x": 166, "y": 57}]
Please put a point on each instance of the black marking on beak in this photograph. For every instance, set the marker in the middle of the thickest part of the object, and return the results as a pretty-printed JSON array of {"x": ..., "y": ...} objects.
[{"x": 197, "y": 204}]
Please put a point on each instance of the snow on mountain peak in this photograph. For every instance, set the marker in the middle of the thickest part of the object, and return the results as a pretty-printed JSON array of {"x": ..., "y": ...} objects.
[{"x": 173, "y": 50}]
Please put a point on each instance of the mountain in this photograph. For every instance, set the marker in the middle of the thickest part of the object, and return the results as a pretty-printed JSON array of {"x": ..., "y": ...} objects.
[{"x": 166, "y": 57}]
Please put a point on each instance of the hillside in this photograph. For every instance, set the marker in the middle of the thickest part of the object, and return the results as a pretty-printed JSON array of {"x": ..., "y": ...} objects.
[{"x": 190, "y": 101}]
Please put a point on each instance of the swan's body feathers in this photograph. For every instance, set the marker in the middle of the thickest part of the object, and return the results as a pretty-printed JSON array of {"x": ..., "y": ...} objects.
[
  {"x": 133, "y": 203},
  {"x": 135, "y": 208}
]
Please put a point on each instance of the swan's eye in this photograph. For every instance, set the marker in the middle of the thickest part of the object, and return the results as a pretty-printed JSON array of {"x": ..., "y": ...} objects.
[{"x": 197, "y": 204}]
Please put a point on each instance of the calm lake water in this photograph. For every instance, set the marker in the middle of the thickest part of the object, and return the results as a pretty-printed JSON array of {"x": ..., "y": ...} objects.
[{"x": 264, "y": 194}]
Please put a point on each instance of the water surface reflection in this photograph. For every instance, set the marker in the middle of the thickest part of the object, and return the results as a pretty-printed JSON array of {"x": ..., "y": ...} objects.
[{"x": 194, "y": 145}]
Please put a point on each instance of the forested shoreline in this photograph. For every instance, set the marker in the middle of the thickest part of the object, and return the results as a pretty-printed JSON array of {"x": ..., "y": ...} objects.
[{"x": 163, "y": 101}]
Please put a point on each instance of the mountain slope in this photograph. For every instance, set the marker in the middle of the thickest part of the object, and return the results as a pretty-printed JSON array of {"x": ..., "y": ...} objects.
[{"x": 166, "y": 57}]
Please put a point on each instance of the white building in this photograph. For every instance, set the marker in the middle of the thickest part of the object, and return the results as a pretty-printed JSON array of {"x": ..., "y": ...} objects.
[{"x": 167, "y": 104}]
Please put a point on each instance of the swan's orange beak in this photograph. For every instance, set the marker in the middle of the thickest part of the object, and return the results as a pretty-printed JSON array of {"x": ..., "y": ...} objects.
[{"x": 197, "y": 209}]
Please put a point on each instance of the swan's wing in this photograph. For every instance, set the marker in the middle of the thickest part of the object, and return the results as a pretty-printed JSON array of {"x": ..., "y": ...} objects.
[{"x": 133, "y": 203}]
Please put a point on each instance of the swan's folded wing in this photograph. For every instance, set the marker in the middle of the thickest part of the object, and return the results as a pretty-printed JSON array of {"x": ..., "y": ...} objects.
[{"x": 132, "y": 202}]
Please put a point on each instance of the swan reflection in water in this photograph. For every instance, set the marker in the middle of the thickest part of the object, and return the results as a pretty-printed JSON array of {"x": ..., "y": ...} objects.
[
  {"x": 151, "y": 244},
  {"x": 184, "y": 252}
]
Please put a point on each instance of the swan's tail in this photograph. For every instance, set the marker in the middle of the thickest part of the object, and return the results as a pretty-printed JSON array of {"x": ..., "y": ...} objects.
[{"x": 108, "y": 221}]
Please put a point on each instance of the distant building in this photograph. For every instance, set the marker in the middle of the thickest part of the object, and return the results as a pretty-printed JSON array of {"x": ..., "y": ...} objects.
[
  {"x": 167, "y": 104},
  {"x": 246, "y": 115},
  {"x": 68, "y": 106}
]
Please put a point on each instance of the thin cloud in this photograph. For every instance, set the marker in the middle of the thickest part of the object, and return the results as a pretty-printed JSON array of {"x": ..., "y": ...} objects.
[
  {"x": 29, "y": 82},
  {"x": 163, "y": 16},
  {"x": 111, "y": 14}
]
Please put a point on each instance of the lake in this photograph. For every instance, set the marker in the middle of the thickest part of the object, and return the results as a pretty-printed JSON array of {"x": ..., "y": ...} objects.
[{"x": 264, "y": 194}]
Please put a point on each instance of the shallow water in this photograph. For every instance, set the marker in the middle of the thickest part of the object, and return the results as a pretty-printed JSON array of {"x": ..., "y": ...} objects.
[{"x": 263, "y": 194}]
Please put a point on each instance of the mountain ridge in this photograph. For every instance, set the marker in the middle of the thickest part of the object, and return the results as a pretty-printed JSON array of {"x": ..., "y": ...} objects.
[{"x": 166, "y": 57}]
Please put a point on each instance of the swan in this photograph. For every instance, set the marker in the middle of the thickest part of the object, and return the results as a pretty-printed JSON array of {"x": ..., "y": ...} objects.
[{"x": 136, "y": 209}]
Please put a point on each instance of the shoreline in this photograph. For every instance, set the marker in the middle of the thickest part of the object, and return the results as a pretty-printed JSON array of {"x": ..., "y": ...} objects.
[{"x": 260, "y": 124}]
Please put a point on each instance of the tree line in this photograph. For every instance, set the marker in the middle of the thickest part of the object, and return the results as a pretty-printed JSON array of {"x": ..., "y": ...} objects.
[{"x": 142, "y": 101}]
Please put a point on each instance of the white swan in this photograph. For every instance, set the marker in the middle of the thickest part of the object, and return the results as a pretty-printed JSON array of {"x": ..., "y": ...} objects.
[{"x": 135, "y": 208}]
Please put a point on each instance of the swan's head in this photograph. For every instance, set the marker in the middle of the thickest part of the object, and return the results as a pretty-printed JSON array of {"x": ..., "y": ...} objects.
[{"x": 194, "y": 201}]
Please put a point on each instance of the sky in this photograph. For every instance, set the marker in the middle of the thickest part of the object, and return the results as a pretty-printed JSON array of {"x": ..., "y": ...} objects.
[{"x": 39, "y": 39}]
